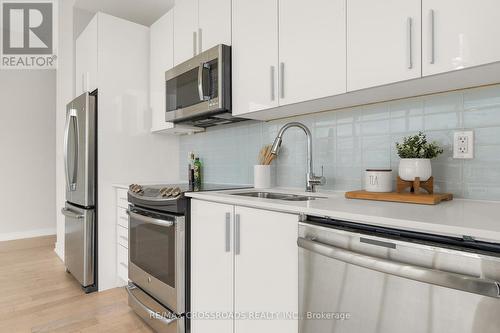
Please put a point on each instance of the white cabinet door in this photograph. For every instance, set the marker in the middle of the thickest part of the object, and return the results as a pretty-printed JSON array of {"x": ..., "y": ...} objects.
[
  {"x": 86, "y": 78},
  {"x": 214, "y": 23},
  {"x": 185, "y": 30},
  {"x": 266, "y": 269},
  {"x": 211, "y": 265},
  {"x": 383, "y": 42},
  {"x": 459, "y": 34},
  {"x": 312, "y": 49},
  {"x": 161, "y": 60},
  {"x": 255, "y": 55}
]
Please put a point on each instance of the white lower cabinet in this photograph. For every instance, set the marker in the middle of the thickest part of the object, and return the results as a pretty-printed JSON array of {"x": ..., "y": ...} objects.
[
  {"x": 121, "y": 236},
  {"x": 244, "y": 265}
]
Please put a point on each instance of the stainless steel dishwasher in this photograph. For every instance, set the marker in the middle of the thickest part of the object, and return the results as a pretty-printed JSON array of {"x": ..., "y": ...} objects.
[{"x": 360, "y": 279}]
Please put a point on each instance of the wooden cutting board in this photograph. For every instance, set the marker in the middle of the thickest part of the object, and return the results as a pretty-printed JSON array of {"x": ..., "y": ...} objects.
[{"x": 406, "y": 197}]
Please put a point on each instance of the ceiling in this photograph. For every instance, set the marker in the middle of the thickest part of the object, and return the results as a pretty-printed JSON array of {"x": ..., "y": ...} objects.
[{"x": 144, "y": 12}]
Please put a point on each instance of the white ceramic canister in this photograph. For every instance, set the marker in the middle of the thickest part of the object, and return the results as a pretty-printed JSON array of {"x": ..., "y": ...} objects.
[
  {"x": 411, "y": 168},
  {"x": 262, "y": 176},
  {"x": 378, "y": 180}
]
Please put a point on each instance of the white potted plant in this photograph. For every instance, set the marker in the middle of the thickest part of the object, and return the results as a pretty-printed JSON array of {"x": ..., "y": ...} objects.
[{"x": 416, "y": 154}]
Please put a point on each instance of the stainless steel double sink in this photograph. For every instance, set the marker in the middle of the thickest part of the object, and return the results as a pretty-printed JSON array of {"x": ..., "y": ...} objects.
[{"x": 277, "y": 196}]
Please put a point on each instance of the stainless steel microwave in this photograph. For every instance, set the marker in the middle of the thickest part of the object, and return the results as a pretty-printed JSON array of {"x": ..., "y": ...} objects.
[{"x": 198, "y": 91}]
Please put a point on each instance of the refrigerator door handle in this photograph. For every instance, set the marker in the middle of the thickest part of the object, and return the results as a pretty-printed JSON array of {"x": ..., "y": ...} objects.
[
  {"x": 65, "y": 149},
  {"x": 71, "y": 214},
  {"x": 431, "y": 276},
  {"x": 71, "y": 177}
]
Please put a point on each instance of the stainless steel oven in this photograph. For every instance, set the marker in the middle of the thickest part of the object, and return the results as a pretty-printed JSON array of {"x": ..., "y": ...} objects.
[
  {"x": 157, "y": 268},
  {"x": 198, "y": 91}
]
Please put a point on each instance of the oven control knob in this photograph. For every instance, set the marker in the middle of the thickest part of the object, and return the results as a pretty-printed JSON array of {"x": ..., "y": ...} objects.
[{"x": 149, "y": 279}]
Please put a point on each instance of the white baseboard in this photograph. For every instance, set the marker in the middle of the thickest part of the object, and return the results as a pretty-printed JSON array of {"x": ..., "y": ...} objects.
[
  {"x": 27, "y": 234},
  {"x": 59, "y": 250}
]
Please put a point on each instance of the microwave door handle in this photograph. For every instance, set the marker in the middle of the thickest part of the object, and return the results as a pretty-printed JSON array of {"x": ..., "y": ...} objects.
[{"x": 201, "y": 92}]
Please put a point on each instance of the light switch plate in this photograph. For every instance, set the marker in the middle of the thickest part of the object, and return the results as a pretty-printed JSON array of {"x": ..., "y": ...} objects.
[{"x": 463, "y": 145}]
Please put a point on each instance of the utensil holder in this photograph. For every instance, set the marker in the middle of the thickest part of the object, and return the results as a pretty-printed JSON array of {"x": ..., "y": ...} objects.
[{"x": 262, "y": 176}]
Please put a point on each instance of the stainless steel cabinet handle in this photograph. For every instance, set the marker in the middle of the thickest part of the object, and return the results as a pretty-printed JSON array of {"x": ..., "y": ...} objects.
[
  {"x": 432, "y": 37},
  {"x": 282, "y": 79},
  {"x": 409, "y": 27},
  {"x": 149, "y": 220},
  {"x": 417, "y": 273},
  {"x": 273, "y": 97},
  {"x": 194, "y": 43},
  {"x": 237, "y": 235},
  {"x": 151, "y": 313},
  {"x": 200, "y": 40},
  {"x": 71, "y": 214},
  {"x": 228, "y": 230}
]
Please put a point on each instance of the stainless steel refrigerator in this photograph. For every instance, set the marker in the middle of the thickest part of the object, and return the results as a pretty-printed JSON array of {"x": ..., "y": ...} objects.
[{"x": 80, "y": 159}]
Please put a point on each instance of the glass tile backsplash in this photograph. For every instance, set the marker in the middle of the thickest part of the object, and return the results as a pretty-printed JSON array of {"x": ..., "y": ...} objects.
[{"x": 348, "y": 141}]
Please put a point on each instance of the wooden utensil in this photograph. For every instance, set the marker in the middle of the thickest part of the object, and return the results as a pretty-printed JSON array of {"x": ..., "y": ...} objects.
[{"x": 265, "y": 156}]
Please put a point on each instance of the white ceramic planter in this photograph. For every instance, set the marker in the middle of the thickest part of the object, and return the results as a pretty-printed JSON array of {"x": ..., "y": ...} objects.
[
  {"x": 411, "y": 168},
  {"x": 262, "y": 176}
]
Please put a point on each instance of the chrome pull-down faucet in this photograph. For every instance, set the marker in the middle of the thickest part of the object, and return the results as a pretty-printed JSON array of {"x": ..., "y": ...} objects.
[{"x": 311, "y": 179}]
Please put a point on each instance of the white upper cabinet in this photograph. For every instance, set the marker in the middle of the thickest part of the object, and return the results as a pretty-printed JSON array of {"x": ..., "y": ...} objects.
[
  {"x": 162, "y": 59},
  {"x": 200, "y": 25},
  {"x": 459, "y": 34},
  {"x": 185, "y": 30},
  {"x": 86, "y": 78},
  {"x": 255, "y": 55},
  {"x": 214, "y": 23},
  {"x": 285, "y": 52},
  {"x": 312, "y": 44},
  {"x": 383, "y": 42}
]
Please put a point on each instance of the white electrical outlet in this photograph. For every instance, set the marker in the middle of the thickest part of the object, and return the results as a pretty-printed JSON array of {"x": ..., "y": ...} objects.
[{"x": 463, "y": 145}]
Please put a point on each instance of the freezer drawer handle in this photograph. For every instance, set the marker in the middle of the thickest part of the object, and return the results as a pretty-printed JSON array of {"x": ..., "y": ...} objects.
[
  {"x": 150, "y": 220},
  {"x": 427, "y": 275},
  {"x": 152, "y": 314},
  {"x": 71, "y": 214}
]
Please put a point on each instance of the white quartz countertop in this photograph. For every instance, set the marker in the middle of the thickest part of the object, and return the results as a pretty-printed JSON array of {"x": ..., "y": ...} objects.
[{"x": 478, "y": 219}]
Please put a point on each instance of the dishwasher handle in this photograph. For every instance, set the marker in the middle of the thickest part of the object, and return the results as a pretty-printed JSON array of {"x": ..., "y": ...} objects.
[{"x": 466, "y": 283}]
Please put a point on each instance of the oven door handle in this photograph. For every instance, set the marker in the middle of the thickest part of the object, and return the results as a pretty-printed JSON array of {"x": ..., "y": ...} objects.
[
  {"x": 149, "y": 220},
  {"x": 151, "y": 313}
]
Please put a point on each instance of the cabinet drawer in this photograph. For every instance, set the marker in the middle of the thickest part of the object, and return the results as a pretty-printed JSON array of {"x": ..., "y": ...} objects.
[
  {"x": 122, "y": 217},
  {"x": 121, "y": 198},
  {"x": 122, "y": 236},
  {"x": 122, "y": 262}
]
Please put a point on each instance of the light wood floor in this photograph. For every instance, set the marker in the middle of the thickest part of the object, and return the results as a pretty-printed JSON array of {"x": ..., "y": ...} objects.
[{"x": 37, "y": 295}]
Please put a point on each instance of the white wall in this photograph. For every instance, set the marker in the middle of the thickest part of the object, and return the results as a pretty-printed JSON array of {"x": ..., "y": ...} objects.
[{"x": 27, "y": 152}]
